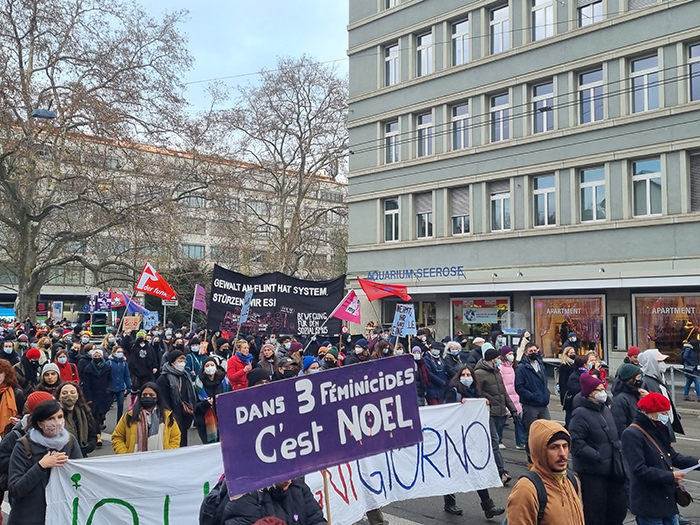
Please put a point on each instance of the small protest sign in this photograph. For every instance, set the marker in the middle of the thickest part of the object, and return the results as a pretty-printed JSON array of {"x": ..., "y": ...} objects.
[
  {"x": 131, "y": 322},
  {"x": 286, "y": 429},
  {"x": 404, "y": 321},
  {"x": 245, "y": 310},
  {"x": 150, "y": 321}
]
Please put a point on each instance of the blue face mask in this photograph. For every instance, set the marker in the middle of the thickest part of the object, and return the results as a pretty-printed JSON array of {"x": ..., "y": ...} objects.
[
  {"x": 454, "y": 352},
  {"x": 497, "y": 364},
  {"x": 314, "y": 370},
  {"x": 573, "y": 339},
  {"x": 663, "y": 419}
]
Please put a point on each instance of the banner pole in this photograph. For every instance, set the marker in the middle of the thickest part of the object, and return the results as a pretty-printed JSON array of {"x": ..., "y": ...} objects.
[
  {"x": 126, "y": 309},
  {"x": 327, "y": 318},
  {"x": 324, "y": 473},
  {"x": 194, "y": 296},
  {"x": 379, "y": 319}
]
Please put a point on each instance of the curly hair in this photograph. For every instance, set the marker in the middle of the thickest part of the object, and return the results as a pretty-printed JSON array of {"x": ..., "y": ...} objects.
[
  {"x": 10, "y": 376},
  {"x": 45, "y": 343}
]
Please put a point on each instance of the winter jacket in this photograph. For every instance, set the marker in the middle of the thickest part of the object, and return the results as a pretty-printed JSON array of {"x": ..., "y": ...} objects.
[
  {"x": 573, "y": 387},
  {"x": 236, "y": 373},
  {"x": 489, "y": 384},
  {"x": 353, "y": 359},
  {"x": 624, "y": 404},
  {"x": 651, "y": 483},
  {"x": 176, "y": 387},
  {"x": 652, "y": 384},
  {"x": 531, "y": 385},
  {"x": 27, "y": 375},
  {"x": 437, "y": 375},
  {"x": 563, "y": 502},
  {"x": 455, "y": 394},
  {"x": 121, "y": 378},
  {"x": 142, "y": 361},
  {"x": 27, "y": 481},
  {"x": 68, "y": 372},
  {"x": 565, "y": 371},
  {"x": 83, "y": 361},
  {"x": 452, "y": 365},
  {"x": 124, "y": 436},
  {"x": 593, "y": 437},
  {"x": 689, "y": 358},
  {"x": 507, "y": 371},
  {"x": 12, "y": 358},
  {"x": 473, "y": 358},
  {"x": 193, "y": 364},
  {"x": 88, "y": 446},
  {"x": 296, "y": 506},
  {"x": 97, "y": 387},
  {"x": 206, "y": 389}
]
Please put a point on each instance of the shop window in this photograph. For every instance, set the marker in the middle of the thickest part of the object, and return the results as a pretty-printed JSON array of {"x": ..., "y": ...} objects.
[
  {"x": 666, "y": 322},
  {"x": 555, "y": 317},
  {"x": 478, "y": 316}
]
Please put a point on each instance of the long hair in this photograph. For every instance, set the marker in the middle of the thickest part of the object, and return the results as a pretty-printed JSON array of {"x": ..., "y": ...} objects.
[
  {"x": 9, "y": 371},
  {"x": 265, "y": 363},
  {"x": 133, "y": 415},
  {"x": 81, "y": 404}
]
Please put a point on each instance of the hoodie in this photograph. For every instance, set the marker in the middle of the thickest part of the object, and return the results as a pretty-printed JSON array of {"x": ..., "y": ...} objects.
[
  {"x": 653, "y": 381},
  {"x": 563, "y": 503}
]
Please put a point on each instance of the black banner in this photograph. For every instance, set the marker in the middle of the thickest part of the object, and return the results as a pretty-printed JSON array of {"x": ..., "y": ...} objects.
[{"x": 280, "y": 304}]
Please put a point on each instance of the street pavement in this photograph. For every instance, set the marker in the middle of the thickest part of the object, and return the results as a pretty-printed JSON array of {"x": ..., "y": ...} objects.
[{"x": 429, "y": 511}]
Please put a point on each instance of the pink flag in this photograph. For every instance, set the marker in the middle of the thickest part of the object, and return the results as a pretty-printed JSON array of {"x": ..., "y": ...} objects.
[
  {"x": 200, "y": 298},
  {"x": 349, "y": 309}
]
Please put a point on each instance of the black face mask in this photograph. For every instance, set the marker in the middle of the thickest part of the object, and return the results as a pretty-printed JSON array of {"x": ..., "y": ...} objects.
[
  {"x": 331, "y": 364},
  {"x": 532, "y": 357},
  {"x": 289, "y": 373},
  {"x": 638, "y": 384},
  {"x": 139, "y": 340},
  {"x": 276, "y": 493},
  {"x": 148, "y": 402}
]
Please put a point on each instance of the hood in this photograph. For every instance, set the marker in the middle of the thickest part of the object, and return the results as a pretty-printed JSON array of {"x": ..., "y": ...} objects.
[
  {"x": 541, "y": 431},
  {"x": 483, "y": 365},
  {"x": 648, "y": 360}
]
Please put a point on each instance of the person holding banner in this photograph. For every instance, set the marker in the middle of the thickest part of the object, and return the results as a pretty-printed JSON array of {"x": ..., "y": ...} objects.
[{"x": 211, "y": 381}]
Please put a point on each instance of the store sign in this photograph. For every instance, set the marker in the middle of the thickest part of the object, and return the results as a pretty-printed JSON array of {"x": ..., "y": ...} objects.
[
  {"x": 434, "y": 272},
  {"x": 479, "y": 315}
]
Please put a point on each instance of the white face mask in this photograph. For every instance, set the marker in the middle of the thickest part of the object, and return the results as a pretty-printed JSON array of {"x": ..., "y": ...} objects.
[
  {"x": 359, "y": 350},
  {"x": 210, "y": 370},
  {"x": 194, "y": 348},
  {"x": 435, "y": 352},
  {"x": 601, "y": 397},
  {"x": 466, "y": 381},
  {"x": 399, "y": 351},
  {"x": 663, "y": 367},
  {"x": 179, "y": 366},
  {"x": 510, "y": 358},
  {"x": 52, "y": 428},
  {"x": 416, "y": 357}
]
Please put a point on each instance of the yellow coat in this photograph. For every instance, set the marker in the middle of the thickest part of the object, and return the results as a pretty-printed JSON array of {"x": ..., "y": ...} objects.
[{"x": 124, "y": 436}]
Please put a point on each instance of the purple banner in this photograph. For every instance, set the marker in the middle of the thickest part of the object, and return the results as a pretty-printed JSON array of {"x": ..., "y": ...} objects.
[
  {"x": 92, "y": 302},
  {"x": 104, "y": 301},
  {"x": 286, "y": 429}
]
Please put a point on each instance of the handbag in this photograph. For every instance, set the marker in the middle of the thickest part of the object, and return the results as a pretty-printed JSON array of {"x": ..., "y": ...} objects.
[
  {"x": 683, "y": 497},
  {"x": 618, "y": 467},
  {"x": 187, "y": 409}
]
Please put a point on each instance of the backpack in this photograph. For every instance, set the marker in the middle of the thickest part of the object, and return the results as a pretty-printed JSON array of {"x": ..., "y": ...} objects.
[
  {"x": 542, "y": 493},
  {"x": 212, "y": 510}
]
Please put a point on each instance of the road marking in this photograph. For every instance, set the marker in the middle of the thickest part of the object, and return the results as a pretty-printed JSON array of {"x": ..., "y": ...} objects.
[
  {"x": 686, "y": 439},
  {"x": 395, "y": 520}
]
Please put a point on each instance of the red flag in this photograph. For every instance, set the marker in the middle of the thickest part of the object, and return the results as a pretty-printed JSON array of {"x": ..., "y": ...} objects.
[
  {"x": 152, "y": 283},
  {"x": 378, "y": 290},
  {"x": 117, "y": 299},
  {"x": 349, "y": 309}
]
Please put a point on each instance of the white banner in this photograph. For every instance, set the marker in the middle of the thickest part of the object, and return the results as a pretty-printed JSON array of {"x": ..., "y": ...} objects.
[{"x": 167, "y": 487}]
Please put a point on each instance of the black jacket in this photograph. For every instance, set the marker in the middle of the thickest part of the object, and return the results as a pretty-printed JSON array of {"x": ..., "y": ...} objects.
[
  {"x": 624, "y": 404},
  {"x": 652, "y": 384},
  {"x": 651, "y": 483},
  {"x": 97, "y": 387},
  {"x": 452, "y": 364},
  {"x": 474, "y": 357},
  {"x": 296, "y": 506},
  {"x": 142, "y": 362},
  {"x": 27, "y": 482},
  {"x": 593, "y": 437},
  {"x": 27, "y": 375},
  {"x": 573, "y": 387},
  {"x": 565, "y": 372}
]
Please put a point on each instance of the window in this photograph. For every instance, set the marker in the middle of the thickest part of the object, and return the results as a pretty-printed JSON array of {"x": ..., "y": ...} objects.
[
  {"x": 646, "y": 182},
  {"x": 460, "y": 210},
  {"x": 695, "y": 72},
  {"x": 391, "y": 65},
  {"x": 391, "y": 142},
  {"x": 590, "y": 94},
  {"x": 645, "y": 84},
  {"x": 193, "y": 251},
  {"x": 391, "y": 220},
  {"x": 542, "y": 19},
  {"x": 543, "y": 107},
  {"x": 639, "y": 4},
  {"x": 460, "y": 126},
  {"x": 500, "y": 118},
  {"x": 545, "y": 201},
  {"x": 592, "y": 182},
  {"x": 424, "y": 215},
  {"x": 500, "y": 205},
  {"x": 500, "y": 29},
  {"x": 589, "y": 12},
  {"x": 424, "y": 54},
  {"x": 695, "y": 182},
  {"x": 424, "y": 125},
  {"x": 460, "y": 42},
  {"x": 388, "y": 4}
]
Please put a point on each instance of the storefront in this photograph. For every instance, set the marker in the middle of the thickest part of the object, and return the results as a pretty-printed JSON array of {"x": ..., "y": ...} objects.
[
  {"x": 477, "y": 316},
  {"x": 555, "y": 317},
  {"x": 665, "y": 322}
]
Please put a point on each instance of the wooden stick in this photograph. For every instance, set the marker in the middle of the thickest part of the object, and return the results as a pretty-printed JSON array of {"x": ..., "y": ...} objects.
[{"x": 324, "y": 473}]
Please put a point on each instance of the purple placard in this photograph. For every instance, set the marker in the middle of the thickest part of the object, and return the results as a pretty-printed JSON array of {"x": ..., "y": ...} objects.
[
  {"x": 104, "y": 301},
  {"x": 92, "y": 302},
  {"x": 286, "y": 429}
]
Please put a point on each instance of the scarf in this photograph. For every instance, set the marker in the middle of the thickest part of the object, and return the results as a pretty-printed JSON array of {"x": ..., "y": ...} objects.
[
  {"x": 77, "y": 424},
  {"x": 51, "y": 443},
  {"x": 247, "y": 359},
  {"x": 98, "y": 367},
  {"x": 8, "y": 406},
  {"x": 423, "y": 372},
  {"x": 144, "y": 430},
  {"x": 181, "y": 388}
]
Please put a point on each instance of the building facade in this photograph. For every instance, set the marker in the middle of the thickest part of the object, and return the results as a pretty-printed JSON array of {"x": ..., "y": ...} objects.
[{"x": 530, "y": 164}]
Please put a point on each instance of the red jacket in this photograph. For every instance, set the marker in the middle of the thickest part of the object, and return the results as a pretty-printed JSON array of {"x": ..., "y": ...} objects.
[
  {"x": 68, "y": 372},
  {"x": 236, "y": 373}
]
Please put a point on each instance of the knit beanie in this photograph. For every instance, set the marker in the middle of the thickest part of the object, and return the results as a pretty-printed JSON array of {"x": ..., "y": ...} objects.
[
  {"x": 628, "y": 371},
  {"x": 505, "y": 350},
  {"x": 50, "y": 367},
  {"x": 33, "y": 353},
  {"x": 307, "y": 362},
  {"x": 491, "y": 354},
  {"x": 588, "y": 384},
  {"x": 221, "y": 341},
  {"x": 333, "y": 351},
  {"x": 562, "y": 434},
  {"x": 256, "y": 375},
  {"x": 633, "y": 350},
  {"x": 35, "y": 398},
  {"x": 295, "y": 347},
  {"x": 172, "y": 356},
  {"x": 267, "y": 346},
  {"x": 362, "y": 343}
]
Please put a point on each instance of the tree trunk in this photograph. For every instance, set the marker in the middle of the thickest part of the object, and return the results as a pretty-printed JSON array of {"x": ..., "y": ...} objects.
[{"x": 25, "y": 303}]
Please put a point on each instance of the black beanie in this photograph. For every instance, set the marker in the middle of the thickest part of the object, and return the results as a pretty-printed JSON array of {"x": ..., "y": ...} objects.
[
  {"x": 173, "y": 355},
  {"x": 560, "y": 435},
  {"x": 256, "y": 375},
  {"x": 491, "y": 354},
  {"x": 221, "y": 341}
]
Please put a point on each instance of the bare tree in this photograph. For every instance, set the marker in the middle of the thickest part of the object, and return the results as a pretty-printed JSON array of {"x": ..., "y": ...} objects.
[
  {"x": 109, "y": 76},
  {"x": 291, "y": 127}
]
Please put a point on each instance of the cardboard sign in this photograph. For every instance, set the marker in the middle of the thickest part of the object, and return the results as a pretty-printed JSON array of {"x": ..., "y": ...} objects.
[
  {"x": 131, "y": 322},
  {"x": 404, "y": 321}
]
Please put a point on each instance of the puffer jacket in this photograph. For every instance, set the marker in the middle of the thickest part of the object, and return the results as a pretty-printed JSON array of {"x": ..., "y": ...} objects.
[
  {"x": 531, "y": 385},
  {"x": 489, "y": 384},
  {"x": 437, "y": 375},
  {"x": 624, "y": 404},
  {"x": 508, "y": 373},
  {"x": 593, "y": 437}
]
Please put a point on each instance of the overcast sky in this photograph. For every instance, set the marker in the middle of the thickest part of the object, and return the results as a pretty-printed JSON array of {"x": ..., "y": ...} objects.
[{"x": 234, "y": 37}]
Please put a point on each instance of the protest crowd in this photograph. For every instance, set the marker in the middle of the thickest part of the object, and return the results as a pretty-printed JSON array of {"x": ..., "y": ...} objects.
[{"x": 615, "y": 453}]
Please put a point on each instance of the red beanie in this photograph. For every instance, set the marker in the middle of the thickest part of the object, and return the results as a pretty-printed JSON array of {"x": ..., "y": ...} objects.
[
  {"x": 653, "y": 402},
  {"x": 588, "y": 384},
  {"x": 634, "y": 350},
  {"x": 35, "y": 398},
  {"x": 33, "y": 353}
]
